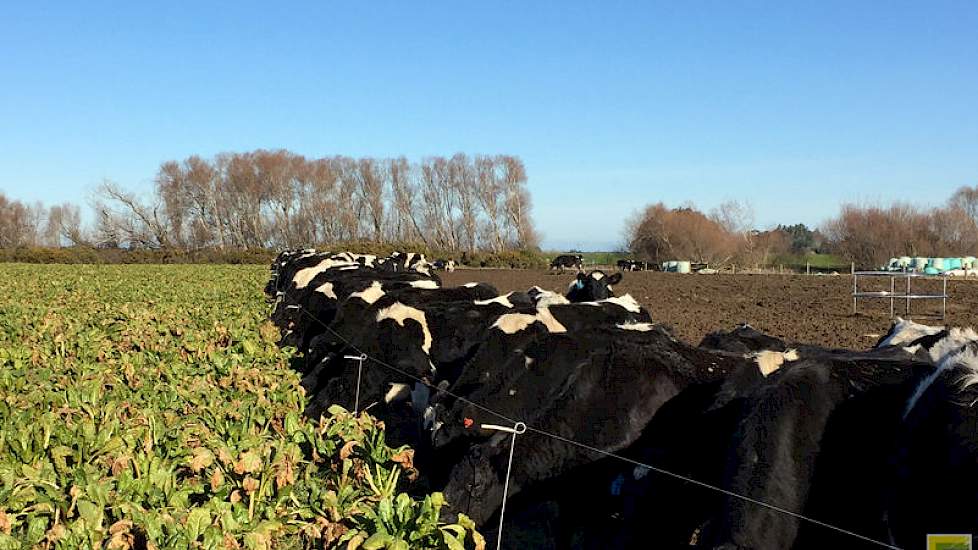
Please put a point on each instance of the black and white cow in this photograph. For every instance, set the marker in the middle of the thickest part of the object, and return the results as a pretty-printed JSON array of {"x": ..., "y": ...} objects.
[
  {"x": 308, "y": 286},
  {"x": 804, "y": 437},
  {"x": 743, "y": 339},
  {"x": 811, "y": 432},
  {"x": 568, "y": 260},
  {"x": 444, "y": 265},
  {"x": 284, "y": 266},
  {"x": 432, "y": 334},
  {"x": 936, "y": 486},
  {"x": 597, "y": 385},
  {"x": 312, "y": 299},
  {"x": 911, "y": 336},
  {"x": 631, "y": 265},
  {"x": 589, "y": 287},
  {"x": 422, "y": 333},
  {"x": 936, "y": 452},
  {"x": 456, "y": 321},
  {"x": 407, "y": 261}
]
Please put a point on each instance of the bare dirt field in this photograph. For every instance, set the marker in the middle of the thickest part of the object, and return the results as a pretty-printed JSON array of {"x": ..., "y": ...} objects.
[{"x": 797, "y": 308}]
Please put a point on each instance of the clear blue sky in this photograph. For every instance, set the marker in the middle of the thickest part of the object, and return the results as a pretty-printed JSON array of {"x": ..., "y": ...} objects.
[{"x": 610, "y": 105}]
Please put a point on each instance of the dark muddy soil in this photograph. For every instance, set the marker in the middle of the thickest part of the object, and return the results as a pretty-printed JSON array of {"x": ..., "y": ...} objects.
[{"x": 797, "y": 308}]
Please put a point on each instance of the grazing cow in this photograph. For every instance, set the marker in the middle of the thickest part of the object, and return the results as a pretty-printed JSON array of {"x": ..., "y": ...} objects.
[
  {"x": 419, "y": 335},
  {"x": 908, "y": 334},
  {"x": 805, "y": 437},
  {"x": 285, "y": 265},
  {"x": 304, "y": 310},
  {"x": 588, "y": 287},
  {"x": 936, "y": 486},
  {"x": 743, "y": 339},
  {"x": 444, "y": 265},
  {"x": 630, "y": 265},
  {"x": 407, "y": 261},
  {"x": 859, "y": 440},
  {"x": 434, "y": 333},
  {"x": 568, "y": 260},
  {"x": 458, "y": 320},
  {"x": 814, "y": 436},
  {"x": 306, "y": 283},
  {"x": 597, "y": 385}
]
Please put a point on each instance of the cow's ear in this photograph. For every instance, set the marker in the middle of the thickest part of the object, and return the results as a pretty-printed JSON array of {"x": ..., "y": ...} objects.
[
  {"x": 581, "y": 276},
  {"x": 614, "y": 279}
]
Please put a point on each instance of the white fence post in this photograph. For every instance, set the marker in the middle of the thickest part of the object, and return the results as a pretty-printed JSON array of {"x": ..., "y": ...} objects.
[
  {"x": 360, "y": 359},
  {"x": 517, "y": 429}
]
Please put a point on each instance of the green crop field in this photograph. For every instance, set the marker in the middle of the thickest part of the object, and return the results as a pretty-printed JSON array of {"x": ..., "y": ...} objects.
[{"x": 149, "y": 406}]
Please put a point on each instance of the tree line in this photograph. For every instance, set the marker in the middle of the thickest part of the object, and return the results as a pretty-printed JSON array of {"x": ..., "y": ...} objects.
[
  {"x": 725, "y": 235},
  {"x": 279, "y": 199},
  {"x": 867, "y": 235},
  {"x": 871, "y": 234}
]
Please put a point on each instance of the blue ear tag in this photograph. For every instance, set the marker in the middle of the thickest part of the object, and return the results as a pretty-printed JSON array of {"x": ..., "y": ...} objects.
[{"x": 579, "y": 285}]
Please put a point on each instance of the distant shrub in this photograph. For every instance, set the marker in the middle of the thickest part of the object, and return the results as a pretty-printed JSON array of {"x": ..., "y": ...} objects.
[
  {"x": 514, "y": 259},
  {"x": 88, "y": 255}
]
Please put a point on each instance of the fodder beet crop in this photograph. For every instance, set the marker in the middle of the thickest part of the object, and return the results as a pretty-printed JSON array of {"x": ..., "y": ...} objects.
[{"x": 149, "y": 405}]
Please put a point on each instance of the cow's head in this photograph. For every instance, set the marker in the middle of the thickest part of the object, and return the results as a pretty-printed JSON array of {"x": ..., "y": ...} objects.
[
  {"x": 593, "y": 286},
  {"x": 904, "y": 332}
]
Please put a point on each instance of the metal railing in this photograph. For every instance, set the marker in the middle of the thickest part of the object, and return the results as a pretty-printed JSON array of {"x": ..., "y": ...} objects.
[{"x": 893, "y": 295}]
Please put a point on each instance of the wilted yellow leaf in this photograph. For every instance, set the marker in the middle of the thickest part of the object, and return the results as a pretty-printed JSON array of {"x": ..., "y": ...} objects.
[
  {"x": 285, "y": 475},
  {"x": 347, "y": 450},
  {"x": 250, "y": 484},
  {"x": 201, "y": 459},
  {"x": 248, "y": 462},
  {"x": 224, "y": 456},
  {"x": 120, "y": 526},
  {"x": 405, "y": 458},
  {"x": 217, "y": 479}
]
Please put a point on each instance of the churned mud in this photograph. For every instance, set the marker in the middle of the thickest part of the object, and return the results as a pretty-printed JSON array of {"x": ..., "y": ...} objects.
[{"x": 797, "y": 308}]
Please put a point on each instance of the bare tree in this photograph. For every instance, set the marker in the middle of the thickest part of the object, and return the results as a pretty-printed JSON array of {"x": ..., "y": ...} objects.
[
  {"x": 488, "y": 191},
  {"x": 463, "y": 181},
  {"x": 517, "y": 203},
  {"x": 737, "y": 218},
  {"x": 965, "y": 201},
  {"x": 684, "y": 233},
  {"x": 140, "y": 225},
  {"x": 15, "y": 224},
  {"x": 275, "y": 198},
  {"x": 403, "y": 189},
  {"x": 434, "y": 202},
  {"x": 869, "y": 235},
  {"x": 370, "y": 183},
  {"x": 64, "y": 225}
]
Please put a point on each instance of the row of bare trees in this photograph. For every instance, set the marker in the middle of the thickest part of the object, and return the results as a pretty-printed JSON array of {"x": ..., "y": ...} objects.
[
  {"x": 23, "y": 224},
  {"x": 724, "y": 235},
  {"x": 870, "y": 235},
  {"x": 272, "y": 199},
  {"x": 865, "y": 234},
  {"x": 281, "y": 199}
]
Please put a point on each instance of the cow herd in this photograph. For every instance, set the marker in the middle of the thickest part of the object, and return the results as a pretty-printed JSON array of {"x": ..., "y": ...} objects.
[{"x": 752, "y": 443}]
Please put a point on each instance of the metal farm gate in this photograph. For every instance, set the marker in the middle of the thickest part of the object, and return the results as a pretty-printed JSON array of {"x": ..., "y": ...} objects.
[{"x": 905, "y": 294}]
